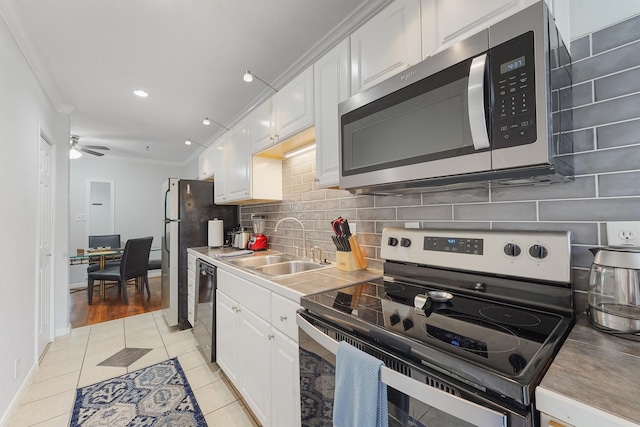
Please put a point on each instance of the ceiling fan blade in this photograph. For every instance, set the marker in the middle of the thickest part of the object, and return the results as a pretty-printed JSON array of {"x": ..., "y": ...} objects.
[
  {"x": 84, "y": 150},
  {"x": 96, "y": 147}
]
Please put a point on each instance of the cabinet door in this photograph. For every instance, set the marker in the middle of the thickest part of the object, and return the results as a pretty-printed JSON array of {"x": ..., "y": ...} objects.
[
  {"x": 239, "y": 162},
  {"x": 332, "y": 86},
  {"x": 220, "y": 172},
  {"x": 205, "y": 164},
  {"x": 263, "y": 126},
  {"x": 294, "y": 106},
  {"x": 386, "y": 44},
  {"x": 285, "y": 408},
  {"x": 255, "y": 354},
  {"x": 458, "y": 19},
  {"x": 227, "y": 327}
]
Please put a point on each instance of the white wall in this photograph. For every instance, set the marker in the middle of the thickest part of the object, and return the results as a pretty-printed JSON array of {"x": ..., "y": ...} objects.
[
  {"x": 138, "y": 203},
  {"x": 25, "y": 112},
  {"x": 592, "y": 15}
]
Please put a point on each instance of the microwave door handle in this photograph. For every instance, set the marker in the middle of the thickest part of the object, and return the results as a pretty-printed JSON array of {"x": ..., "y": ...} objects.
[{"x": 475, "y": 100}]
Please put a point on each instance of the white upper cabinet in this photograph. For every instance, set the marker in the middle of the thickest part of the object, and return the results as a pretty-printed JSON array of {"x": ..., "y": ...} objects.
[
  {"x": 287, "y": 113},
  {"x": 239, "y": 162},
  {"x": 386, "y": 44},
  {"x": 206, "y": 164},
  {"x": 263, "y": 126},
  {"x": 332, "y": 86},
  {"x": 445, "y": 22},
  {"x": 294, "y": 107},
  {"x": 241, "y": 177},
  {"x": 220, "y": 170}
]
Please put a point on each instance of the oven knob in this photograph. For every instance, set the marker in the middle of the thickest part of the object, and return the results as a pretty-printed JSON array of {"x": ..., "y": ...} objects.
[
  {"x": 405, "y": 243},
  {"x": 392, "y": 241},
  {"x": 512, "y": 250},
  {"x": 407, "y": 324},
  {"x": 394, "y": 319},
  {"x": 538, "y": 251}
]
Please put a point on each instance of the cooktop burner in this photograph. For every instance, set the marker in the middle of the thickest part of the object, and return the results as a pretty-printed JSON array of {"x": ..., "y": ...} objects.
[{"x": 496, "y": 335}]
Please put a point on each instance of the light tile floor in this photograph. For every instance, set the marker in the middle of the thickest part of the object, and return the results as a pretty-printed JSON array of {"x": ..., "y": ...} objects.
[{"x": 71, "y": 362}]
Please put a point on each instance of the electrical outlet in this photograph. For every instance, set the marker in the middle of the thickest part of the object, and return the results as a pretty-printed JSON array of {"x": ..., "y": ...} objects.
[
  {"x": 17, "y": 369},
  {"x": 411, "y": 225},
  {"x": 625, "y": 233}
]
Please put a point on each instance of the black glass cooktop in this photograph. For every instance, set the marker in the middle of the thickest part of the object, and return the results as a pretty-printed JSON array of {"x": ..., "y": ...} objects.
[{"x": 497, "y": 336}]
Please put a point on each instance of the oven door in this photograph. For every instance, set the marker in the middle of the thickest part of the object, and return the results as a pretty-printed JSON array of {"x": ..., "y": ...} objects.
[{"x": 415, "y": 397}]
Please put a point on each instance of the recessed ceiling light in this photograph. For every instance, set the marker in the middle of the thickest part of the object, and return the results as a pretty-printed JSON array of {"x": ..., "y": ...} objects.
[{"x": 141, "y": 93}]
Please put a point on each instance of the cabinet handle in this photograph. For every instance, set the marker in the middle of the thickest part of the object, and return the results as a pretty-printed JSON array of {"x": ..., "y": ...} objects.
[
  {"x": 234, "y": 308},
  {"x": 283, "y": 318},
  {"x": 271, "y": 336}
]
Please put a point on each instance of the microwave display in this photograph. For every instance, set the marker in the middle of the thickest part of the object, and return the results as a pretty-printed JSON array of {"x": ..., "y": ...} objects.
[{"x": 512, "y": 65}]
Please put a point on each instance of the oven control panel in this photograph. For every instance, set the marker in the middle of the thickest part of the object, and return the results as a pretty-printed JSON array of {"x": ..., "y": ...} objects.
[{"x": 541, "y": 255}]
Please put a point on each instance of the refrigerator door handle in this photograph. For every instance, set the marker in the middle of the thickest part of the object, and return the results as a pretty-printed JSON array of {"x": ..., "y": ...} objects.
[{"x": 166, "y": 196}]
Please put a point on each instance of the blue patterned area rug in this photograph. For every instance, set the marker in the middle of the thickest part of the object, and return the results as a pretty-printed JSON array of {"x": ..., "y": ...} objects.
[{"x": 157, "y": 396}]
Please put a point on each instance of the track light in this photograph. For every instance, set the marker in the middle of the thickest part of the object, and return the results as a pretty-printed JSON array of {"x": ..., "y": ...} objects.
[
  {"x": 208, "y": 121},
  {"x": 189, "y": 142},
  {"x": 249, "y": 76}
]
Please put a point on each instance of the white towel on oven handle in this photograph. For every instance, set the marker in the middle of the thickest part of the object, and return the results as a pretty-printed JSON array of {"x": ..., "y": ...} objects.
[{"x": 360, "y": 397}]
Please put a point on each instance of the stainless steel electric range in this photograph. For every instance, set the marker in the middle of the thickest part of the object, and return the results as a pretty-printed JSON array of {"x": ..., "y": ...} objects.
[{"x": 466, "y": 321}]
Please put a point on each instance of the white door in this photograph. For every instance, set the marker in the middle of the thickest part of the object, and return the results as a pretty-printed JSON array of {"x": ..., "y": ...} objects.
[{"x": 44, "y": 322}]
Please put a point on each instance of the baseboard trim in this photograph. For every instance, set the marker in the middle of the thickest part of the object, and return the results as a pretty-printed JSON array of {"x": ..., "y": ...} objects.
[{"x": 22, "y": 391}]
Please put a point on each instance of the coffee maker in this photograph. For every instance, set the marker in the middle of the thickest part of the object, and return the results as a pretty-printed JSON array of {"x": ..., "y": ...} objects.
[{"x": 258, "y": 241}]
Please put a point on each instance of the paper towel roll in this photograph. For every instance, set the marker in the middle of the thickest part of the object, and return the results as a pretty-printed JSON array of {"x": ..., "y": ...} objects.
[{"x": 216, "y": 233}]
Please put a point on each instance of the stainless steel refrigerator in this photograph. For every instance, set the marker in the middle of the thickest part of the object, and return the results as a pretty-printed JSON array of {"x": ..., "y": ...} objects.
[{"x": 188, "y": 206}]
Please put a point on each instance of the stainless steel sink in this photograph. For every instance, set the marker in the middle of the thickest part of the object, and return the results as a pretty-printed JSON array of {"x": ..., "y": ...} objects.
[
  {"x": 260, "y": 260},
  {"x": 290, "y": 267}
]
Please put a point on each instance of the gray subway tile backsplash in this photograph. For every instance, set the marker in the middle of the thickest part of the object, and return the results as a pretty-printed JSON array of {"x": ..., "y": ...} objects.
[
  {"x": 618, "y": 134},
  {"x": 606, "y": 63},
  {"x": 581, "y": 48},
  {"x": 617, "y": 84},
  {"x": 619, "y": 184},
  {"x": 610, "y": 209},
  {"x": 616, "y": 35},
  {"x": 581, "y": 187},
  {"x": 601, "y": 161},
  {"x": 606, "y": 143},
  {"x": 600, "y": 113}
]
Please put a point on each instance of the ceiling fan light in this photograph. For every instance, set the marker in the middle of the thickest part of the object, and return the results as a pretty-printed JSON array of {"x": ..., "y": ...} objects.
[
  {"x": 248, "y": 77},
  {"x": 74, "y": 154}
]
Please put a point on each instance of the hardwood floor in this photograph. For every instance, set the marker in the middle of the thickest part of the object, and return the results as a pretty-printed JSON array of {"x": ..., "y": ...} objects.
[{"x": 112, "y": 307}]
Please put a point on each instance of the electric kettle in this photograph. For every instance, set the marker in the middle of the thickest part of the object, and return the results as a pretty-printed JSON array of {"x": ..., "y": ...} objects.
[{"x": 614, "y": 291}]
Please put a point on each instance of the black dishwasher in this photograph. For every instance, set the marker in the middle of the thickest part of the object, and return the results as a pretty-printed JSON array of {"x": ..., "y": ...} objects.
[{"x": 204, "y": 329}]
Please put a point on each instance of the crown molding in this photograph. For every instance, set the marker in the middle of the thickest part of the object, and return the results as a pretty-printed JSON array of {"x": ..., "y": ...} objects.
[
  {"x": 12, "y": 18},
  {"x": 348, "y": 25}
]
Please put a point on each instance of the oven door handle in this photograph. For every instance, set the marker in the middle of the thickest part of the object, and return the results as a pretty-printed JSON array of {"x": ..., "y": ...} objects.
[
  {"x": 465, "y": 410},
  {"x": 476, "y": 104}
]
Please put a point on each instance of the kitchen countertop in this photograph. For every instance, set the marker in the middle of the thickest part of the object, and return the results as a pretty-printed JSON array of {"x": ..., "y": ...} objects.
[
  {"x": 292, "y": 286},
  {"x": 593, "y": 381}
]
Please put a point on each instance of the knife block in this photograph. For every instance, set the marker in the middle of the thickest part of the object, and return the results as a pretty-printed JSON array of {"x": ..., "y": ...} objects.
[{"x": 346, "y": 261}]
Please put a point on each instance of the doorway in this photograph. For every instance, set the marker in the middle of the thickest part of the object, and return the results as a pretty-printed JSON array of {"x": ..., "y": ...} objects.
[
  {"x": 100, "y": 195},
  {"x": 44, "y": 323}
]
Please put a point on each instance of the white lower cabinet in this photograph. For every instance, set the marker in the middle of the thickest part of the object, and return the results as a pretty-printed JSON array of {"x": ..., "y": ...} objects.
[
  {"x": 285, "y": 387},
  {"x": 260, "y": 359}
]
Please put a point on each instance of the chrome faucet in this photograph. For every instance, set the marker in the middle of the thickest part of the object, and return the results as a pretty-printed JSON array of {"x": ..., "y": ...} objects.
[{"x": 304, "y": 233}]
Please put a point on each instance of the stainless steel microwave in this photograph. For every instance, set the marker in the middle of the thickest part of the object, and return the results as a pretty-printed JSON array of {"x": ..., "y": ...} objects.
[{"x": 490, "y": 108}]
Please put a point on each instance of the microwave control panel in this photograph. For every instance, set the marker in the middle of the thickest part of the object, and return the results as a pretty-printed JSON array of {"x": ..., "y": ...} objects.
[{"x": 513, "y": 87}]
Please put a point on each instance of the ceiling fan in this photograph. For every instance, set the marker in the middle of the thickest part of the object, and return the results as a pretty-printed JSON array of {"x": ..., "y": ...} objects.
[{"x": 89, "y": 149}]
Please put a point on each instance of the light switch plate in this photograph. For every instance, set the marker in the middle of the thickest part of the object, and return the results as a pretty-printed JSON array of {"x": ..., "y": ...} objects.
[
  {"x": 625, "y": 233},
  {"x": 80, "y": 217}
]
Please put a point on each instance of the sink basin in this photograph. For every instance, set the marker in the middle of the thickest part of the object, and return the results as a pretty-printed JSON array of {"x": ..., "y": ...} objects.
[
  {"x": 258, "y": 261},
  {"x": 289, "y": 267}
]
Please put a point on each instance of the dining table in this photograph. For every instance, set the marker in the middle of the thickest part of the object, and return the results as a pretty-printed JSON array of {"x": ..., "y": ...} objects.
[{"x": 101, "y": 256}]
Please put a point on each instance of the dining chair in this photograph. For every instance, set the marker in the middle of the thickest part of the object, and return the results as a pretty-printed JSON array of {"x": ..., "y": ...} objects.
[
  {"x": 104, "y": 241},
  {"x": 133, "y": 265}
]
